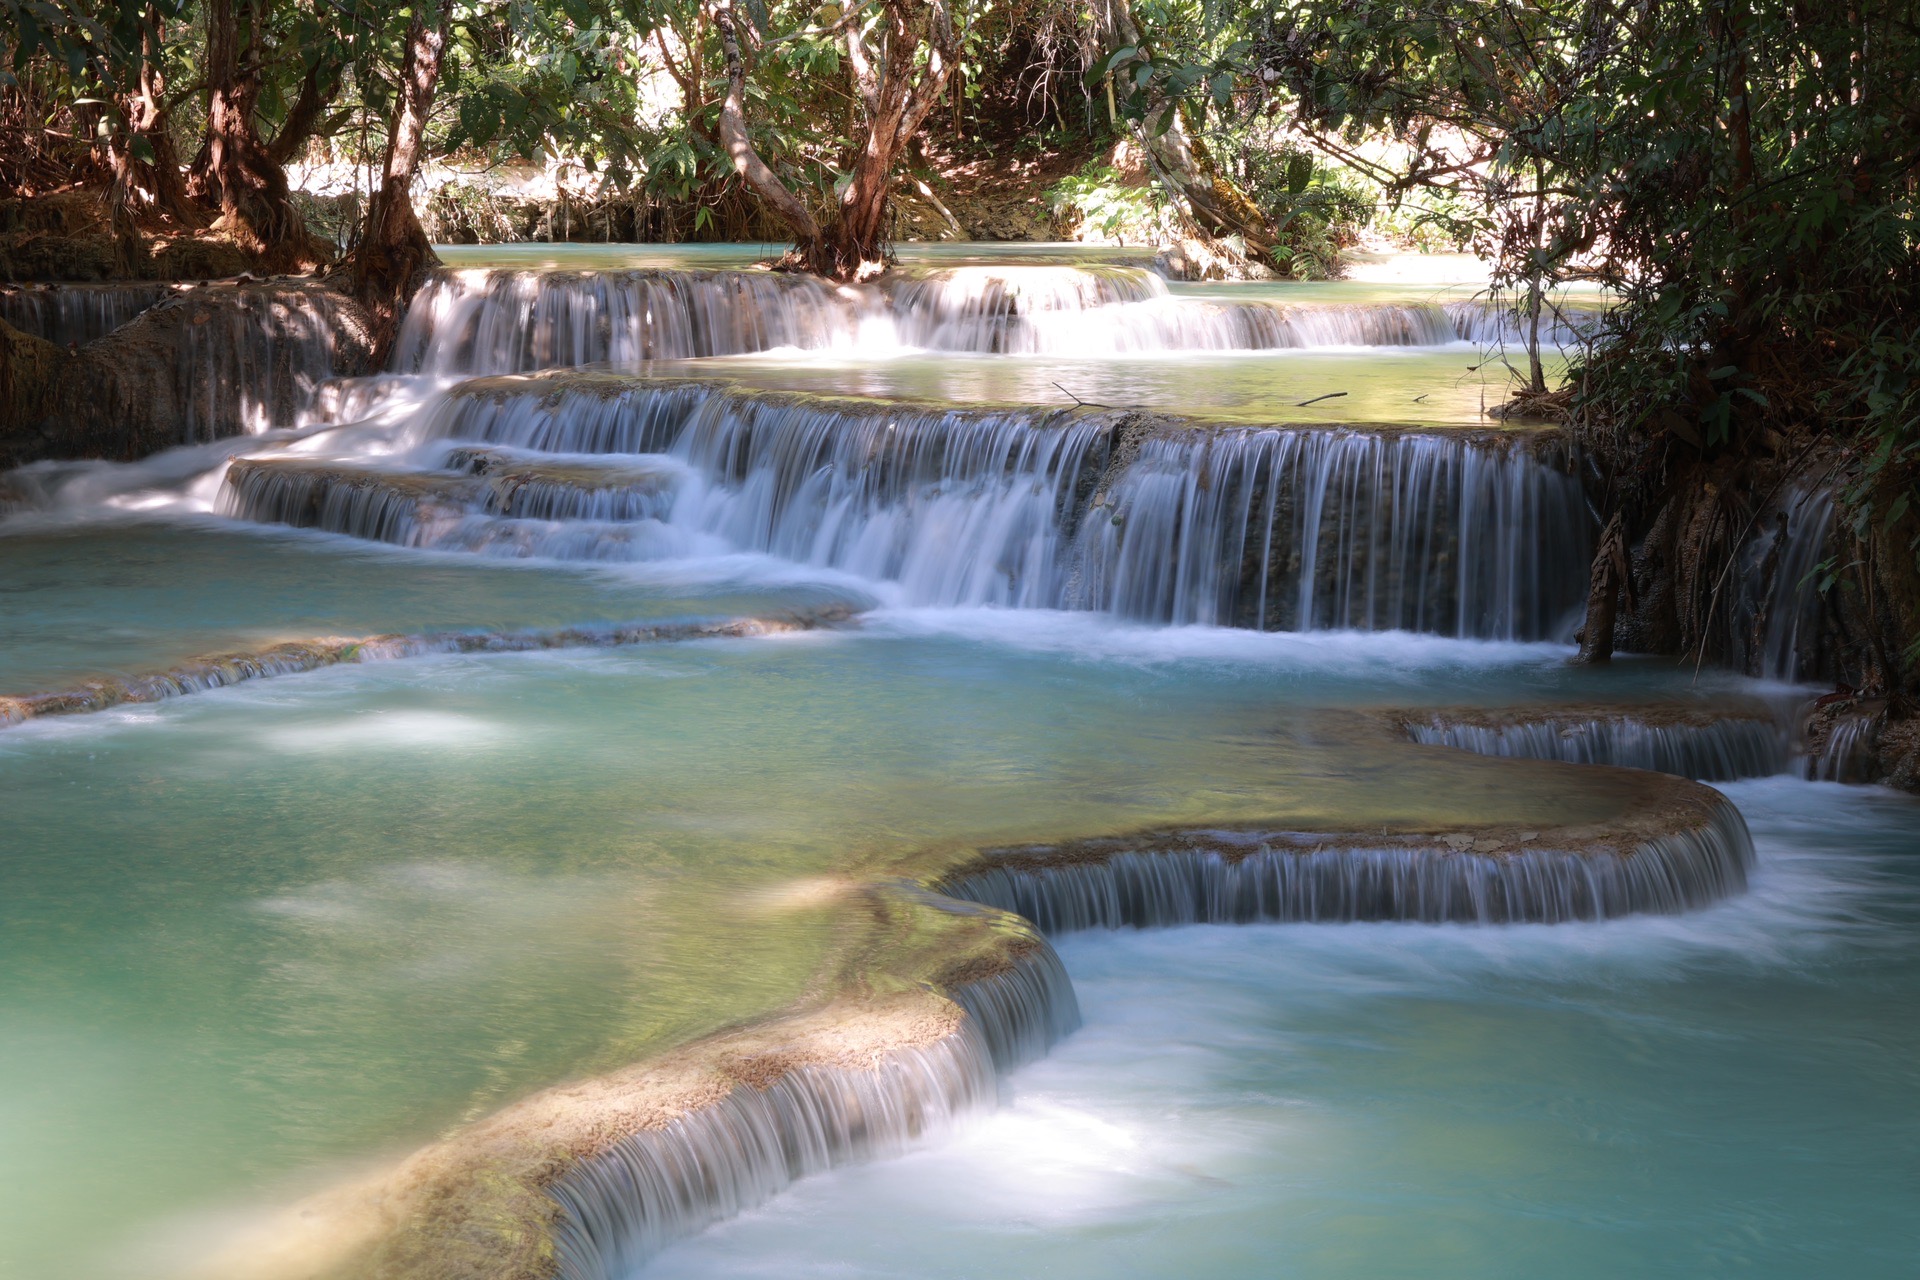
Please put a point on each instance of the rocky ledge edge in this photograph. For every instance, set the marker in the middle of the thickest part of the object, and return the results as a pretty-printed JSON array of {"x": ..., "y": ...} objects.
[
  {"x": 945, "y": 979},
  {"x": 294, "y": 657}
]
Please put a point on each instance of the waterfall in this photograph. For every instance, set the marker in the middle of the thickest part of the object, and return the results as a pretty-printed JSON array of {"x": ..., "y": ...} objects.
[
  {"x": 620, "y": 1206},
  {"x": 76, "y": 314},
  {"x": 1714, "y": 750},
  {"x": 1462, "y": 534},
  {"x": 478, "y": 321},
  {"x": 1302, "y": 530},
  {"x": 1251, "y": 878},
  {"x": 512, "y": 321},
  {"x": 1849, "y": 752},
  {"x": 486, "y": 502},
  {"x": 1777, "y": 613},
  {"x": 219, "y": 361}
]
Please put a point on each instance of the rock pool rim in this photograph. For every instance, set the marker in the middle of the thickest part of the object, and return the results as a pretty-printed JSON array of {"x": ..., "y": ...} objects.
[
  {"x": 297, "y": 657},
  {"x": 535, "y": 1191}
]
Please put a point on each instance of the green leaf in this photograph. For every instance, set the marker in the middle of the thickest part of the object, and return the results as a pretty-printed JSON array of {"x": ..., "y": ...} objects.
[{"x": 1103, "y": 67}]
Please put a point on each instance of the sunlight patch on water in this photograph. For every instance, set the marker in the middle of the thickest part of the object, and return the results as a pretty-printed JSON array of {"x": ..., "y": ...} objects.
[{"x": 388, "y": 731}]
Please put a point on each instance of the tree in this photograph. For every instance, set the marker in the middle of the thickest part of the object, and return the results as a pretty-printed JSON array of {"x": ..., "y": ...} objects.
[
  {"x": 899, "y": 59},
  {"x": 385, "y": 267},
  {"x": 1168, "y": 87},
  {"x": 256, "y": 206}
]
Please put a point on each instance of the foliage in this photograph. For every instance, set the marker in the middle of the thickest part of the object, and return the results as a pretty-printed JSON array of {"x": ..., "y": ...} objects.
[
  {"x": 1100, "y": 199},
  {"x": 1739, "y": 173}
]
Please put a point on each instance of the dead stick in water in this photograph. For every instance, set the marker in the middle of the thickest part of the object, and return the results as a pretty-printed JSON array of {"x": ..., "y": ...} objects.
[
  {"x": 1092, "y": 404},
  {"x": 1331, "y": 395}
]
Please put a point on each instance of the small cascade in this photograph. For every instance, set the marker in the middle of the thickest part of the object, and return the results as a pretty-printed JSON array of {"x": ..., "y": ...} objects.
[
  {"x": 521, "y": 321},
  {"x": 76, "y": 314},
  {"x": 1848, "y": 750},
  {"x": 546, "y": 487},
  {"x": 619, "y": 1207},
  {"x": 490, "y": 504},
  {"x": 1462, "y": 534},
  {"x": 1304, "y": 530},
  {"x": 1777, "y": 623},
  {"x": 571, "y": 413},
  {"x": 1488, "y": 324},
  {"x": 503, "y": 321},
  {"x": 1281, "y": 879},
  {"x": 1709, "y": 750},
  {"x": 407, "y": 509},
  {"x": 961, "y": 507}
]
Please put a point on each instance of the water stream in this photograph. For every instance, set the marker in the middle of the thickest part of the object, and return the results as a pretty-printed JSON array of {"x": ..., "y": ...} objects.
[{"x": 1091, "y": 567}]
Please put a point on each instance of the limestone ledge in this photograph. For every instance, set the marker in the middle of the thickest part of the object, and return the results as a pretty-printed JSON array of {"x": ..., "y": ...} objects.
[
  {"x": 197, "y": 675},
  {"x": 1709, "y": 741},
  {"x": 553, "y": 387},
  {"x": 934, "y": 984}
]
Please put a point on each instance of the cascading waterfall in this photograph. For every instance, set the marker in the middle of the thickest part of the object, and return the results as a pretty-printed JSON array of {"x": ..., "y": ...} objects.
[
  {"x": 1777, "y": 613},
  {"x": 1718, "y": 750},
  {"x": 1249, "y": 878},
  {"x": 506, "y": 321},
  {"x": 1848, "y": 754},
  {"x": 76, "y": 314},
  {"x": 519, "y": 321},
  {"x": 1302, "y": 530},
  {"x": 1272, "y": 529},
  {"x": 483, "y": 502},
  {"x": 222, "y": 360},
  {"x": 620, "y": 1207}
]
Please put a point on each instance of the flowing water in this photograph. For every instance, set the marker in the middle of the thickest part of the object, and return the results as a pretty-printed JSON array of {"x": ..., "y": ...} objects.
[{"x": 1107, "y": 573}]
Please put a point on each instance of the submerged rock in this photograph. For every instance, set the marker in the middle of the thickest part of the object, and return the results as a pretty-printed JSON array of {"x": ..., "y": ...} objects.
[{"x": 198, "y": 675}]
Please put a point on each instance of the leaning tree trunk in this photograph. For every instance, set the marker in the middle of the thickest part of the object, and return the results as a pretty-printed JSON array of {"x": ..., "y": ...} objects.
[
  {"x": 394, "y": 254},
  {"x": 759, "y": 178},
  {"x": 256, "y": 207},
  {"x": 1211, "y": 202}
]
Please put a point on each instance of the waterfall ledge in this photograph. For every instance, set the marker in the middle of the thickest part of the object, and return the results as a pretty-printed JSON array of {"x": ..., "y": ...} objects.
[
  {"x": 1686, "y": 848},
  {"x": 1713, "y": 742},
  {"x": 199, "y": 675}
]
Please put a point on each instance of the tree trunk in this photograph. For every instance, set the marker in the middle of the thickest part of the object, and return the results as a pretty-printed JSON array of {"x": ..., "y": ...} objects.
[
  {"x": 256, "y": 207},
  {"x": 394, "y": 254},
  {"x": 1608, "y": 579},
  {"x": 1211, "y": 202},
  {"x": 156, "y": 175},
  {"x": 1536, "y": 372},
  {"x": 753, "y": 171},
  {"x": 896, "y": 94}
]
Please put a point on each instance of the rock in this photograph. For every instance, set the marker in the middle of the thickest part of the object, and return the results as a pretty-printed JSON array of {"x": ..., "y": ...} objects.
[
  {"x": 29, "y": 370},
  {"x": 216, "y": 361}
]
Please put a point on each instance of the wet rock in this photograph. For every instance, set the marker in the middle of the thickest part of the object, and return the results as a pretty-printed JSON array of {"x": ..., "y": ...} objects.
[
  {"x": 29, "y": 369},
  {"x": 211, "y": 362},
  {"x": 1861, "y": 740}
]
